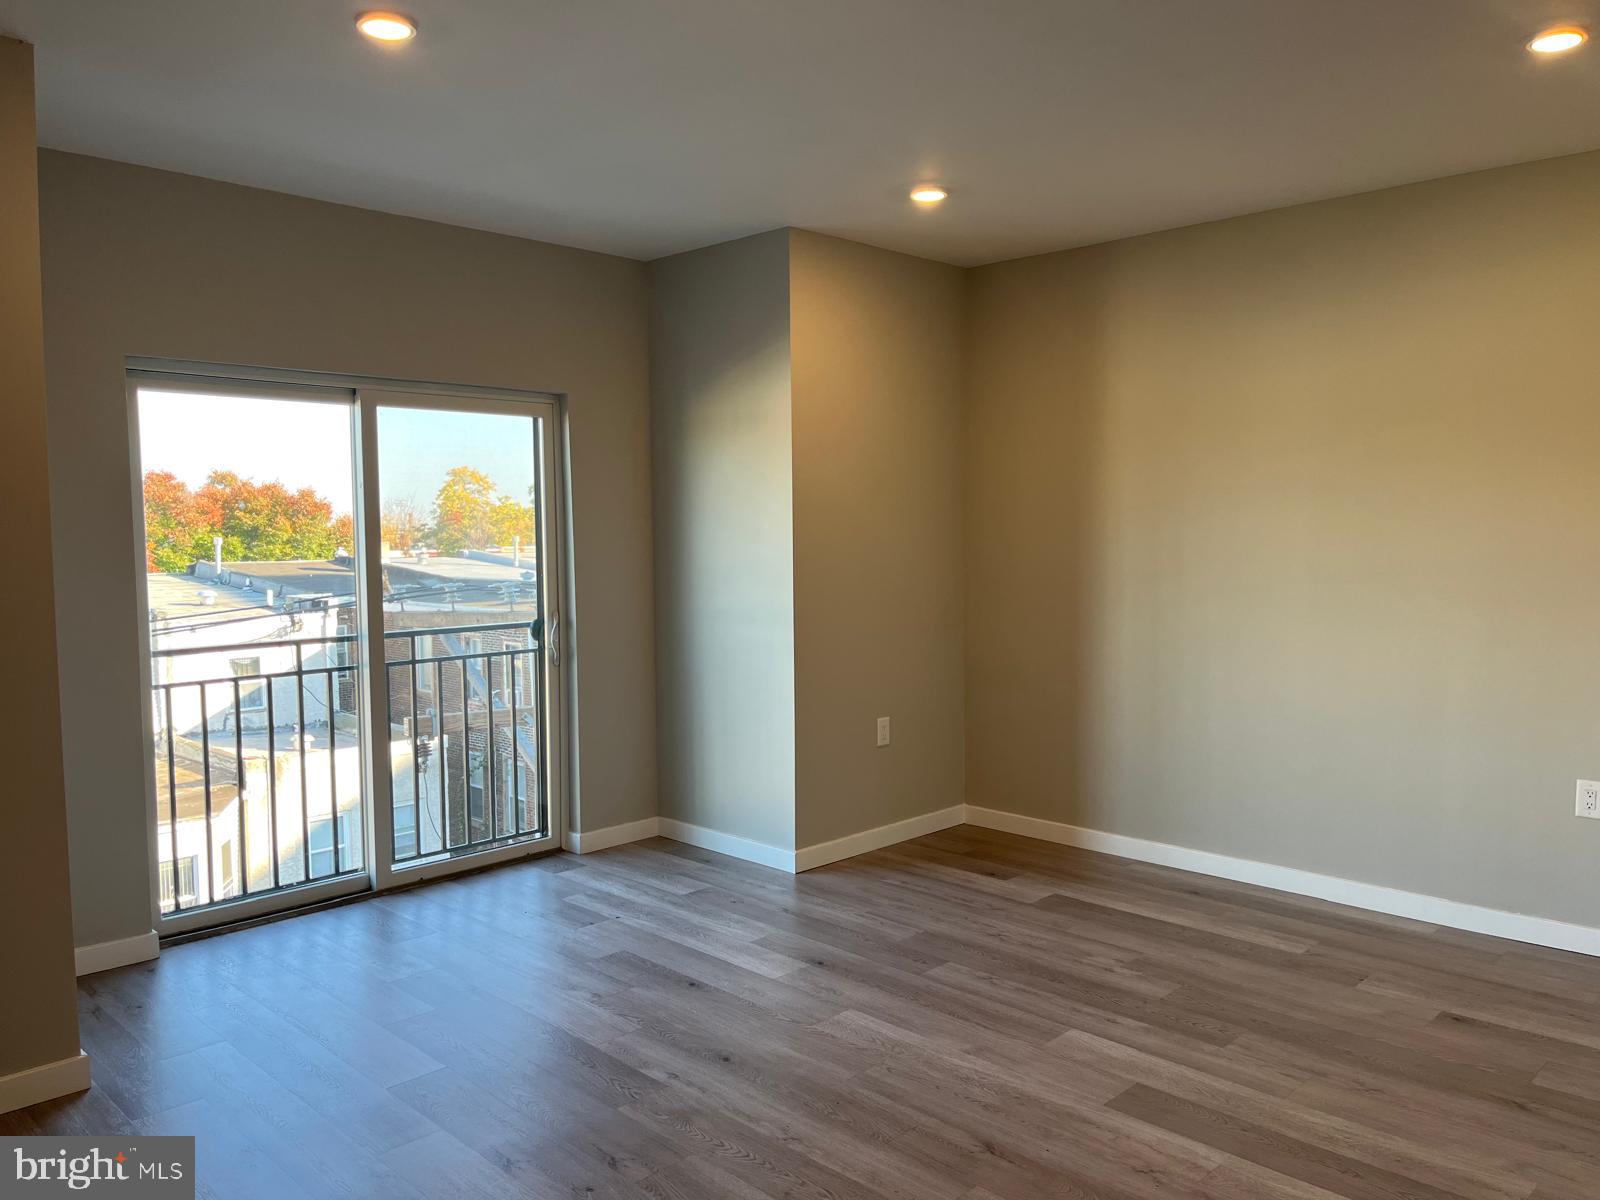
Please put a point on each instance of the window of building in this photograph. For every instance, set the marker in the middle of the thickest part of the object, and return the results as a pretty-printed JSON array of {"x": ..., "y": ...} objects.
[
  {"x": 252, "y": 695},
  {"x": 322, "y": 861},
  {"x": 187, "y": 873},
  {"x": 405, "y": 828}
]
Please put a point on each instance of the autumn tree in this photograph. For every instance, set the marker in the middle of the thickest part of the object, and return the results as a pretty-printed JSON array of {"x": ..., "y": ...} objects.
[
  {"x": 258, "y": 522},
  {"x": 470, "y": 513},
  {"x": 461, "y": 510},
  {"x": 512, "y": 521},
  {"x": 267, "y": 522},
  {"x": 169, "y": 519}
]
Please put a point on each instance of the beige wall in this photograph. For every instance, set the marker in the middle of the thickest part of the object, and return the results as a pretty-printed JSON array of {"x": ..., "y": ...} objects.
[
  {"x": 878, "y": 374},
  {"x": 807, "y": 401},
  {"x": 144, "y": 262},
  {"x": 38, "y": 1006},
  {"x": 1284, "y": 537},
  {"x": 1277, "y": 536},
  {"x": 720, "y": 389}
]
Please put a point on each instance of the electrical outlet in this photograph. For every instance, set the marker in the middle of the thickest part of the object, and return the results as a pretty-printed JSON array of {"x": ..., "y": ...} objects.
[
  {"x": 883, "y": 731},
  {"x": 1588, "y": 798}
]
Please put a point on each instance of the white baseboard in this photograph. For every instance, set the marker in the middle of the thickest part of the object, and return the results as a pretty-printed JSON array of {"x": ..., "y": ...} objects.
[
  {"x": 823, "y": 853},
  {"x": 680, "y": 831},
  {"x": 612, "y": 835},
  {"x": 103, "y": 956},
  {"x": 726, "y": 843},
  {"x": 1435, "y": 910},
  {"x": 45, "y": 1082},
  {"x": 807, "y": 857}
]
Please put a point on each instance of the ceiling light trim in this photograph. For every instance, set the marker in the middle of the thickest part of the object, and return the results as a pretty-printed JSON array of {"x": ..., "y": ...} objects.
[
  {"x": 389, "y": 28},
  {"x": 1559, "y": 40}
]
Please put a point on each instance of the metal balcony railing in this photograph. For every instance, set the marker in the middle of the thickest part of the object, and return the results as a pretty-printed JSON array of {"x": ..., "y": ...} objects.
[
  {"x": 251, "y": 742},
  {"x": 466, "y": 703},
  {"x": 258, "y": 755}
]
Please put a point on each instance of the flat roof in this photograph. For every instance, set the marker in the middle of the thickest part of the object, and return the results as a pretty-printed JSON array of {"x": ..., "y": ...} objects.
[
  {"x": 302, "y": 575},
  {"x": 459, "y": 570},
  {"x": 173, "y": 596}
]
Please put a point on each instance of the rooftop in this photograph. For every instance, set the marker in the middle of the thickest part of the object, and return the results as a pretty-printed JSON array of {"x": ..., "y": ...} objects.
[
  {"x": 173, "y": 597},
  {"x": 293, "y": 576},
  {"x": 442, "y": 581},
  {"x": 457, "y": 570}
]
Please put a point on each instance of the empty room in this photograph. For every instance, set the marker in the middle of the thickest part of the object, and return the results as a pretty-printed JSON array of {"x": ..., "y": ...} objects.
[{"x": 709, "y": 600}]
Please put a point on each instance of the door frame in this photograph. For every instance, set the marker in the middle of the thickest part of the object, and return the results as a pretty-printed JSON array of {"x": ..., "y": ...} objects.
[
  {"x": 553, "y": 588},
  {"x": 364, "y": 394}
]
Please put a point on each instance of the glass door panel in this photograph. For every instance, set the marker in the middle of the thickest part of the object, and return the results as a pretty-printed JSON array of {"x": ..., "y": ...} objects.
[
  {"x": 251, "y": 579},
  {"x": 467, "y": 582}
]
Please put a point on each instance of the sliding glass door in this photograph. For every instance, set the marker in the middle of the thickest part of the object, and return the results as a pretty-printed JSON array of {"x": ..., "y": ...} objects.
[
  {"x": 352, "y": 637},
  {"x": 468, "y": 586}
]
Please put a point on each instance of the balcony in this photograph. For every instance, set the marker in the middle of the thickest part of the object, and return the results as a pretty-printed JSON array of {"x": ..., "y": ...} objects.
[{"x": 259, "y": 763}]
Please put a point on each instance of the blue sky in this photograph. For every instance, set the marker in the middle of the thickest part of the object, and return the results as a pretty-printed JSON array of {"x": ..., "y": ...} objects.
[{"x": 307, "y": 444}]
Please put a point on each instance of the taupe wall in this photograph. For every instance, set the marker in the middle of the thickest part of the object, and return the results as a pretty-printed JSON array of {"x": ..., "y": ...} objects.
[
  {"x": 38, "y": 1006},
  {"x": 719, "y": 355},
  {"x": 878, "y": 373},
  {"x": 1284, "y": 537},
  {"x": 138, "y": 261},
  {"x": 1278, "y": 536},
  {"x": 807, "y": 400}
]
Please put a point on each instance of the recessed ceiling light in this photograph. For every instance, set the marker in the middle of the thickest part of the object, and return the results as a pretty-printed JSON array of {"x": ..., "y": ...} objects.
[
  {"x": 387, "y": 26},
  {"x": 1558, "y": 41},
  {"x": 928, "y": 193}
]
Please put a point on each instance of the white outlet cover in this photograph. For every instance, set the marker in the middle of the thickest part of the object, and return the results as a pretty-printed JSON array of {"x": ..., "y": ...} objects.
[{"x": 1588, "y": 798}]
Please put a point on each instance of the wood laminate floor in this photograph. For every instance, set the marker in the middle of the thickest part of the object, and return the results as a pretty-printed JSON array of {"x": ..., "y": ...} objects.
[{"x": 969, "y": 1016}]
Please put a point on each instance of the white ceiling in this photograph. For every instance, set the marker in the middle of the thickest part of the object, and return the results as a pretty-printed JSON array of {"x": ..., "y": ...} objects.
[{"x": 645, "y": 127}]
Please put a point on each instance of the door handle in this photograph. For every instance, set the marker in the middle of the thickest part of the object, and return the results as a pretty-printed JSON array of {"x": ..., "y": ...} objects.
[{"x": 553, "y": 625}]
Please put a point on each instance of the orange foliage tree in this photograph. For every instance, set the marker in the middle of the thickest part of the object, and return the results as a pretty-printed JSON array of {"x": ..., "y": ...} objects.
[{"x": 258, "y": 522}]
